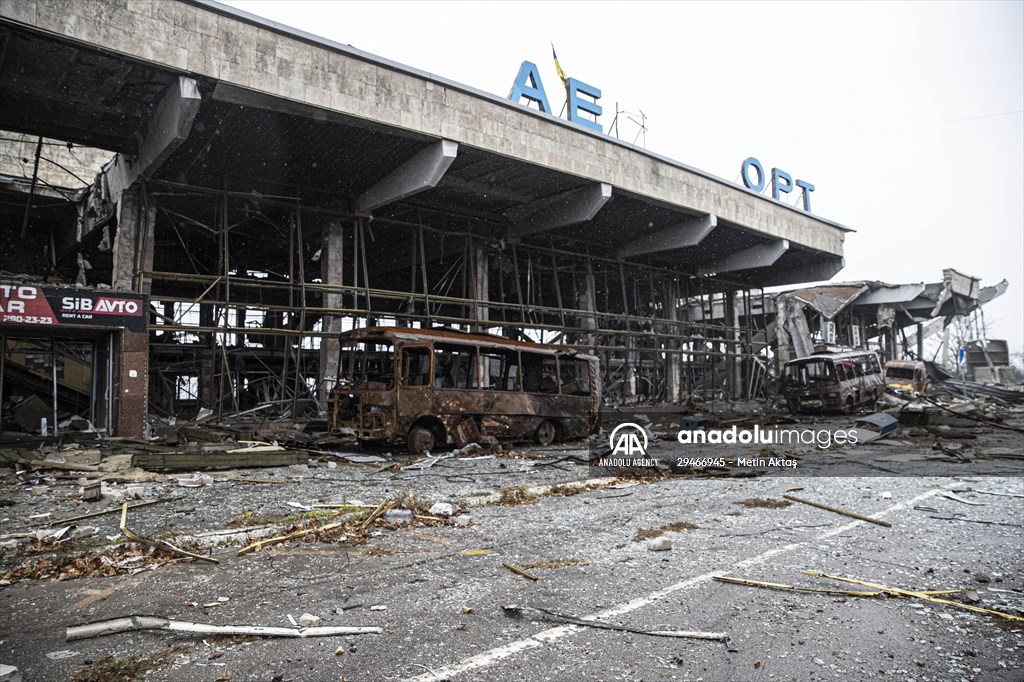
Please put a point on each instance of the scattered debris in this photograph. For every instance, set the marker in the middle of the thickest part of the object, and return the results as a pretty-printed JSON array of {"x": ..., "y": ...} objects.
[
  {"x": 398, "y": 516},
  {"x": 650, "y": 533},
  {"x": 780, "y": 586},
  {"x": 883, "y": 422},
  {"x": 518, "y": 611},
  {"x": 661, "y": 544},
  {"x": 516, "y": 569},
  {"x": 956, "y": 498},
  {"x": 197, "y": 481},
  {"x": 838, "y": 511},
  {"x": 947, "y": 516},
  {"x": 260, "y": 544},
  {"x": 992, "y": 492},
  {"x": 102, "y": 512},
  {"x": 135, "y": 623},
  {"x": 61, "y": 655},
  {"x": 917, "y": 595},
  {"x": 159, "y": 544},
  {"x": 255, "y": 480},
  {"x": 378, "y": 510},
  {"x": 428, "y": 462},
  {"x": 556, "y": 563},
  {"x": 118, "y": 561},
  {"x": 362, "y": 459},
  {"x": 765, "y": 504},
  {"x": 442, "y": 509},
  {"x": 218, "y": 457},
  {"x": 92, "y": 492},
  {"x": 970, "y": 390}
]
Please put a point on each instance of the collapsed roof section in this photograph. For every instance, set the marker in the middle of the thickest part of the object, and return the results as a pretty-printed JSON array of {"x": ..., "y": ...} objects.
[
  {"x": 956, "y": 294},
  {"x": 851, "y": 313}
]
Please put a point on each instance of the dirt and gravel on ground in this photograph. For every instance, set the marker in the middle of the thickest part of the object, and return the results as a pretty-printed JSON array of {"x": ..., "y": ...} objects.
[{"x": 582, "y": 544}]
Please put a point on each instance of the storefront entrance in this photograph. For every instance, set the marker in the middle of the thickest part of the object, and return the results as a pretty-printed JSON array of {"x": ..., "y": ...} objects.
[{"x": 56, "y": 384}]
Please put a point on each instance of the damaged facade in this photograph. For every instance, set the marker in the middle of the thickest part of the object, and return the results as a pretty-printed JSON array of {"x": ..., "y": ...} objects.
[
  {"x": 265, "y": 193},
  {"x": 290, "y": 262}
]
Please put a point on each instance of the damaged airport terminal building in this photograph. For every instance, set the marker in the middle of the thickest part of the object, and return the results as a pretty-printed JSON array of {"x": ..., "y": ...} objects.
[{"x": 196, "y": 202}]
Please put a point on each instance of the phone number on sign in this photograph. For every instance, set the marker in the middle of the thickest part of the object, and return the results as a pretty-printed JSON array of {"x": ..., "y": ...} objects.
[{"x": 26, "y": 319}]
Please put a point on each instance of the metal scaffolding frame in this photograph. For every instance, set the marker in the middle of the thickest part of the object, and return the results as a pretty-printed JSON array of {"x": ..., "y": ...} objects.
[{"x": 636, "y": 317}]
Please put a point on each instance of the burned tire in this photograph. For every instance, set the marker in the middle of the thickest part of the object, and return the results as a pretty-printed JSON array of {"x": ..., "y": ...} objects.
[
  {"x": 420, "y": 440},
  {"x": 545, "y": 433}
]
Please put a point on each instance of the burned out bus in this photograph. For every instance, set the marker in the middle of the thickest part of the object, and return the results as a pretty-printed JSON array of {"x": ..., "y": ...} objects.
[
  {"x": 838, "y": 381},
  {"x": 421, "y": 387}
]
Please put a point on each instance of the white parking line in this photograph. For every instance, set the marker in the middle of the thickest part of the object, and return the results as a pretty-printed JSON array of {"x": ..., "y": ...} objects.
[{"x": 482, "y": 660}]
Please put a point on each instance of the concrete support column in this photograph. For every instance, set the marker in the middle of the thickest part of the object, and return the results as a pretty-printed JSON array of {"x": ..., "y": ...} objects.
[
  {"x": 332, "y": 268},
  {"x": 131, "y": 385},
  {"x": 783, "y": 352},
  {"x": 208, "y": 392},
  {"x": 133, "y": 244},
  {"x": 739, "y": 386},
  {"x": 586, "y": 300},
  {"x": 479, "y": 289},
  {"x": 673, "y": 360},
  {"x": 733, "y": 358}
]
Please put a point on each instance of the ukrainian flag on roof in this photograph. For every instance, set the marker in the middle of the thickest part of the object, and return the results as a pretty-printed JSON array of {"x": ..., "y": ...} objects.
[{"x": 558, "y": 67}]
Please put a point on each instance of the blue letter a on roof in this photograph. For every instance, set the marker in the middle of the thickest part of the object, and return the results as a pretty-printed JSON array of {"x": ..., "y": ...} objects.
[{"x": 528, "y": 85}]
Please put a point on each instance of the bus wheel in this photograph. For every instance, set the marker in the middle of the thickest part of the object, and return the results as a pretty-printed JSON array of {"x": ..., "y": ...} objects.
[
  {"x": 849, "y": 406},
  {"x": 420, "y": 440},
  {"x": 545, "y": 434}
]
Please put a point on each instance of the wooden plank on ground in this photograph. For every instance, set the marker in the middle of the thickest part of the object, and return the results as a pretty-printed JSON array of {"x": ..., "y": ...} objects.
[{"x": 191, "y": 461}]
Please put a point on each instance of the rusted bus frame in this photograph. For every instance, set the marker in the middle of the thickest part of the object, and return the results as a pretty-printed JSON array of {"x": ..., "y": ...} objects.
[{"x": 424, "y": 412}]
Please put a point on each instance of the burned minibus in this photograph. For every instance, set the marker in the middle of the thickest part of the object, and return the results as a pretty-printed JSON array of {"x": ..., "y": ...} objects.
[
  {"x": 839, "y": 381},
  {"x": 422, "y": 387}
]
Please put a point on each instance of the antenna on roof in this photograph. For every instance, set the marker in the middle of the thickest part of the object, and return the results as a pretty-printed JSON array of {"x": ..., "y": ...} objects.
[{"x": 631, "y": 115}]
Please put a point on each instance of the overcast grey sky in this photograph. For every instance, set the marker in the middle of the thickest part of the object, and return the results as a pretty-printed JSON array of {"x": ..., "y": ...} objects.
[{"x": 907, "y": 117}]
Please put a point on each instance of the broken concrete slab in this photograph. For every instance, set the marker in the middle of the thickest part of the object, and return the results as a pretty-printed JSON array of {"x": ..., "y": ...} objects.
[
  {"x": 661, "y": 544},
  {"x": 443, "y": 509}
]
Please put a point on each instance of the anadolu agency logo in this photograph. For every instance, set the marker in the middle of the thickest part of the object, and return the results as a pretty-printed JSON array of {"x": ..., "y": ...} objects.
[
  {"x": 628, "y": 443},
  {"x": 628, "y": 439}
]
